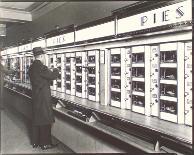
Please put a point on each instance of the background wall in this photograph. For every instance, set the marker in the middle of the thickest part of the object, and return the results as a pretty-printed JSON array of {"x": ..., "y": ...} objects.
[{"x": 69, "y": 13}]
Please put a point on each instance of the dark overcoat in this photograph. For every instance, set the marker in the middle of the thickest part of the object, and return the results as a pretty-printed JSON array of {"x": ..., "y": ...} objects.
[{"x": 40, "y": 78}]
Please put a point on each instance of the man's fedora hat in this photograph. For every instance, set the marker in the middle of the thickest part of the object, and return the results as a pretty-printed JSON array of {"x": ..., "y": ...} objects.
[{"x": 37, "y": 51}]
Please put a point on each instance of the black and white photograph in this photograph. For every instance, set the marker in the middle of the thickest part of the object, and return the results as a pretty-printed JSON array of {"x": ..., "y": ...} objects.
[{"x": 96, "y": 77}]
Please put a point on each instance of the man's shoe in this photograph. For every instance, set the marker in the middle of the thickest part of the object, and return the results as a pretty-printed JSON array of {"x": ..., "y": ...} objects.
[
  {"x": 35, "y": 145},
  {"x": 49, "y": 146}
]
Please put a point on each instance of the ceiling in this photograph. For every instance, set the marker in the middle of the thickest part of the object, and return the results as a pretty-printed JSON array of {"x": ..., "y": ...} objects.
[
  {"x": 17, "y": 5},
  {"x": 12, "y": 13}
]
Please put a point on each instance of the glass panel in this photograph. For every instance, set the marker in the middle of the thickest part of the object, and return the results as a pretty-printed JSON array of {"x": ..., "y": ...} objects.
[
  {"x": 116, "y": 83},
  {"x": 91, "y": 70},
  {"x": 78, "y": 69},
  {"x": 115, "y": 58},
  {"x": 78, "y": 79},
  {"x": 115, "y": 71},
  {"x": 168, "y": 57},
  {"x": 91, "y": 59},
  {"x": 138, "y": 72},
  {"x": 138, "y": 100},
  {"x": 68, "y": 77},
  {"x": 168, "y": 90},
  {"x": 78, "y": 60},
  {"x": 68, "y": 60},
  {"x": 68, "y": 86},
  {"x": 58, "y": 60},
  {"x": 168, "y": 106},
  {"x": 67, "y": 68},
  {"x": 138, "y": 86},
  {"x": 91, "y": 91},
  {"x": 138, "y": 57},
  {"x": 168, "y": 73},
  {"x": 116, "y": 96},
  {"x": 79, "y": 88},
  {"x": 91, "y": 80}
]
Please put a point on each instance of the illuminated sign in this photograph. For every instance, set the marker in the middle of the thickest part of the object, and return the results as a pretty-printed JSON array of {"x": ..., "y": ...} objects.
[
  {"x": 13, "y": 50},
  {"x": 97, "y": 31},
  {"x": 26, "y": 47},
  {"x": 4, "y": 52},
  {"x": 40, "y": 43},
  {"x": 61, "y": 39},
  {"x": 162, "y": 16}
]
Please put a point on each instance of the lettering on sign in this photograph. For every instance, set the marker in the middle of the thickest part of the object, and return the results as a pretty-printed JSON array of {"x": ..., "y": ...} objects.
[
  {"x": 170, "y": 14},
  {"x": 62, "y": 39},
  {"x": 164, "y": 16}
]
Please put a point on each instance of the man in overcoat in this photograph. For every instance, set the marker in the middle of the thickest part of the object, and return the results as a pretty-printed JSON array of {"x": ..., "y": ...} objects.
[{"x": 42, "y": 112}]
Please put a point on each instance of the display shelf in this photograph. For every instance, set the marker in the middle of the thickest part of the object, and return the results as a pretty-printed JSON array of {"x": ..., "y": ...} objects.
[
  {"x": 115, "y": 90},
  {"x": 138, "y": 65},
  {"x": 167, "y": 98},
  {"x": 138, "y": 93},
  {"x": 115, "y": 77},
  {"x": 172, "y": 82},
  {"x": 91, "y": 75},
  {"x": 168, "y": 65},
  {"x": 138, "y": 79},
  {"x": 92, "y": 86},
  {"x": 115, "y": 65}
]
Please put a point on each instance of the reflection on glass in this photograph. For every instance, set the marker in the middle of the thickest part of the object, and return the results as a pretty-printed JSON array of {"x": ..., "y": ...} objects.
[
  {"x": 68, "y": 60},
  {"x": 138, "y": 72},
  {"x": 67, "y": 68},
  {"x": 115, "y": 58},
  {"x": 115, "y": 71},
  {"x": 91, "y": 70},
  {"x": 168, "y": 73},
  {"x": 78, "y": 60},
  {"x": 168, "y": 90},
  {"x": 79, "y": 88},
  {"x": 91, "y": 91},
  {"x": 68, "y": 86},
  {"x": 68, "y": 77},
  {"x": 168, "y": 57},
  {"x": 116, "y": 83},
  {"x": 91, "y": 80},
  {"x": 51, "y": 60},
  {"x": 138, "y": 100},
  {"x": 138, "y": 86},
  {"x": 116, "y": 96},
  {"x": 91, "y": 59},
  {"x": 58, "y": 60},
  {"x": 138, "y": 57},
  {"x": 168, "y": 107},
  {"x": 78, "y": 69},
  {"x": 78, "y": 79}
]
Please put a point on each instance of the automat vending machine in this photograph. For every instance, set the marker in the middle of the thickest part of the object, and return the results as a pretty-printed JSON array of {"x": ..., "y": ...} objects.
[
  {"x": 93, "y": 75},
  {"x": 60, "y": 66},
  {"x": 81, "y": 78},
  {"x": 52, "y": 64},
  {"x": 70, "y": 73},
  {"x": 172, "y": 81}
]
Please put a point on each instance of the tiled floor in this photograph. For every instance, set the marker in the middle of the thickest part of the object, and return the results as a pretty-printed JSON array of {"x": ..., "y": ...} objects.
[{"x": 15, "y": 137}]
